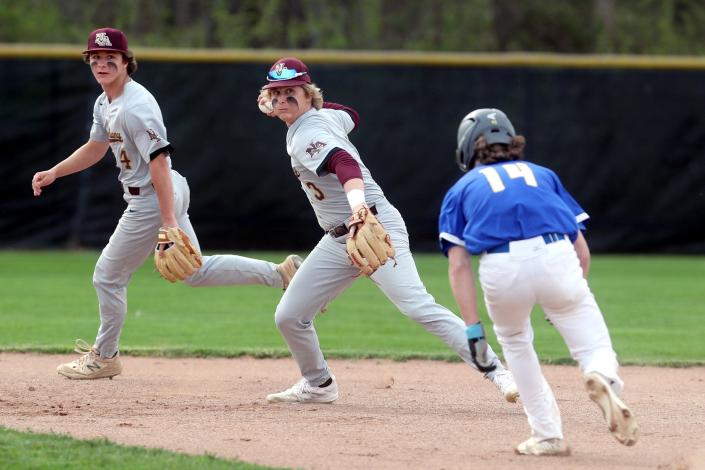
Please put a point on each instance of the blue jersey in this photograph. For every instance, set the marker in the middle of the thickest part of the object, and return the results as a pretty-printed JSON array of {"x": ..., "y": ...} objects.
[{"x": 506, "y": 201}]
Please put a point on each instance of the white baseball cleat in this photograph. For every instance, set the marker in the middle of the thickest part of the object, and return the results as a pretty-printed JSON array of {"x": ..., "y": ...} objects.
[
  {"x": 304, "y": 392},
  {"x": 546, "y": 447},
  {"x": 504, "y": 381},
  {"x": 620, "y": 420},
  {"x": 90, "y": 365},
  {"x": 288, "y": 268}
]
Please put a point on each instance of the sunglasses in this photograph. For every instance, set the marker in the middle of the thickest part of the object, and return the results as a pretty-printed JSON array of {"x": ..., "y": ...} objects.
[{"x": 284, "y": 74}]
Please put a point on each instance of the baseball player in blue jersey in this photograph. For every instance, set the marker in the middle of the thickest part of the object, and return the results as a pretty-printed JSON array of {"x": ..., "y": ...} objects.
[
  {"x": 337, "y": 184},
  {"x": 527, "y": 231},
  {"x": 127, "y": 119}
]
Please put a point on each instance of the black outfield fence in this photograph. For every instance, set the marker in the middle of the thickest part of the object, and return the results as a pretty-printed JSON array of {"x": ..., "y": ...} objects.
[{"x": 626, "y": 135}]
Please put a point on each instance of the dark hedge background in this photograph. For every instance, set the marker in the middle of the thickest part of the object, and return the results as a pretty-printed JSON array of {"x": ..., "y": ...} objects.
[{"x": 628, "y": 143}]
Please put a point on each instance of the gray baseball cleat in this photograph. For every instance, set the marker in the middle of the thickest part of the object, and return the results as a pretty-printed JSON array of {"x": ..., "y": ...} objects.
[
  {"x": 288, "y": 268},
  {"x": 620, "y": 420},
  {"x": 90, "y": 365}
]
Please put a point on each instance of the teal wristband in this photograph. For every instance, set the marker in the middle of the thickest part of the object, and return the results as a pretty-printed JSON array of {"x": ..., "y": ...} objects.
[{"x": 475, "y": 331}]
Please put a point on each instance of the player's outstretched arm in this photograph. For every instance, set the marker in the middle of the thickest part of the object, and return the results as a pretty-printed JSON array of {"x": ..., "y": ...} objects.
[
  {"x": 85, "y": 156},
  {"x": 355, "y": 191},
  {"x": 462, "y": 283},
  {"x": 161, "y": 178}
]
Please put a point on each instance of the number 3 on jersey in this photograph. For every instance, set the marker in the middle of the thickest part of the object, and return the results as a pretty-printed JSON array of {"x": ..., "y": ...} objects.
[
  {"x": 513, "y": 170},
  {"x": 317, "y": 193}
]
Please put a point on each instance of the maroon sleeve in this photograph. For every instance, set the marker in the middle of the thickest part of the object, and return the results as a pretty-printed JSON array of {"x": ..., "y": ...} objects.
[
  {"x": 343, "y": 165},
  {"x": 353, "y": 114}
]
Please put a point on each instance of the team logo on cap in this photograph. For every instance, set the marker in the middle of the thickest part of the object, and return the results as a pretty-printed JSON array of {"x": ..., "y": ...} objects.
[
  {"x": 102, "y": 40},
  {"x": 314, "y": 147},
  {"x": 279, "y": 68},
  {"x": 493, "y": 118}
]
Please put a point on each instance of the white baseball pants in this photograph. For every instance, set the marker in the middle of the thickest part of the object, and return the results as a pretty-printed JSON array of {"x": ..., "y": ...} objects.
[{"x": 550, "y": 276}]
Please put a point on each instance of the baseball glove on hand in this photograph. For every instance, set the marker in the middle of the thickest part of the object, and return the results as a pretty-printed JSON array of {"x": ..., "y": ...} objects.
[
  {"x": 368, "y": 245},
  {"x": 175, "y": 257}
]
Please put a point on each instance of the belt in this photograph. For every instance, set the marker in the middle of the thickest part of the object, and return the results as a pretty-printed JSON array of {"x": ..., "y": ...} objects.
[
  {"x": 548, "y": 238},
  {"x": 342, "y": 229},
  {"x": 136, "y": 191}
]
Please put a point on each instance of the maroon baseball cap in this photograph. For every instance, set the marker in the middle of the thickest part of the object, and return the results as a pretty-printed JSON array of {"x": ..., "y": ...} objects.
[
  {"x": 287, "y": 71},
  {"x": 107, "y": 39}
]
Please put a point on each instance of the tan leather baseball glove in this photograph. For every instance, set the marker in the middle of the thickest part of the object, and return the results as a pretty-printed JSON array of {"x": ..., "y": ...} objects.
[
  {"x": 368, "y": 245},
  {"x": 175, "y": 257}
]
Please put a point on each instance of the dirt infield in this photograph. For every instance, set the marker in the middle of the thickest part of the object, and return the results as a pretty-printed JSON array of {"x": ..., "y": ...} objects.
[{"x": 390, "y": 415}]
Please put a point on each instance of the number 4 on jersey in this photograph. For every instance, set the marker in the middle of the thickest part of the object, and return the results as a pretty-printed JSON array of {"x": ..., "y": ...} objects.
[
  {"x": 125, "y": 160},
  {"x": 513, "y": 170}
]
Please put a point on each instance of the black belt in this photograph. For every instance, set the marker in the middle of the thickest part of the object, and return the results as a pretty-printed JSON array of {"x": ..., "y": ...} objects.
[
  {"x": 135, "y": 191},
  {"x": 342, "y": 229}
]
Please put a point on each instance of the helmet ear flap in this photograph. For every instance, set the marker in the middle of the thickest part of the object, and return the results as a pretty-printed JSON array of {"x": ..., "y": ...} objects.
[
  {"x": 465, "y": 153},
  {"x": 464, "y": 162},
  {"x": 459, "y": 159}
]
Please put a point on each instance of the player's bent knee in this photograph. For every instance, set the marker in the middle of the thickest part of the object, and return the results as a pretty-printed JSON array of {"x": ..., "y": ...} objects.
[
  {"x": 286, "y": 319},
  {"x": 102, "y": 277}
]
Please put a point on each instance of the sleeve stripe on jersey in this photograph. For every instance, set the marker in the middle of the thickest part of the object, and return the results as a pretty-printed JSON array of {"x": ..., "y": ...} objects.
[
  {"x": 451, "y": 238},
  {"x": 168, "y": 149},
  {"x": 344, "y": 166},
  {"x": 581, "y": 217},
  {"x": 322, "y": 169}
]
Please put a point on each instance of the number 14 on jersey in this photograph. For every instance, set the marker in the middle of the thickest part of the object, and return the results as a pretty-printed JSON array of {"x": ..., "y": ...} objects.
[{"x": 513, "y": 170}]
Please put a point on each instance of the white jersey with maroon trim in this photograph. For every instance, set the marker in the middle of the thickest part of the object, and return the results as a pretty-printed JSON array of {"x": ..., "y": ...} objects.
[
  {"x": 132, "y": 123},
  {"x": 311, "y": 141}
]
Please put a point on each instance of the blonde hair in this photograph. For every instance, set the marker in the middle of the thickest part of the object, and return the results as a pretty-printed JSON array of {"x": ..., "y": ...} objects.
[
  {"x": 311, "y": 90},
  {"x": 315, "y": 93}
]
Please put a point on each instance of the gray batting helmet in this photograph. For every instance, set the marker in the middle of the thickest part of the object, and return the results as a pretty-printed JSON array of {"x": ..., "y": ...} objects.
[{"x": 490, "y": 123}]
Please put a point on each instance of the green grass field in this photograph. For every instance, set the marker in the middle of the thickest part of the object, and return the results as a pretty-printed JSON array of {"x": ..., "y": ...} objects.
[
  {"x": 653, "y": 306},
  {"x": 22, "y": 451}
]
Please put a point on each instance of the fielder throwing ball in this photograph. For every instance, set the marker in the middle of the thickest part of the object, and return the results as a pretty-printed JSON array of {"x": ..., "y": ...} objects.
[
  {"x": 127, "y": 118},
  {"x": 363, "y": 233},
  {"x": 526, "y": 228}
]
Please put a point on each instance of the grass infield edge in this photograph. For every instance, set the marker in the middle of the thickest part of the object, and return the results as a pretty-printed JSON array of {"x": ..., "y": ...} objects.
[{"x": 204, "y": 353}]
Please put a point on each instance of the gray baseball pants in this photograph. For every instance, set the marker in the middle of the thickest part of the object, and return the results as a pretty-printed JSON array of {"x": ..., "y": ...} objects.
[
  {"x": 133, "y": 241},
  {"x": 327, "y": 272}
]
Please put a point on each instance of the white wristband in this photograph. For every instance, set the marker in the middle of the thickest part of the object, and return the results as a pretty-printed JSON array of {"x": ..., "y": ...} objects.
[{"x": 355, "y": 197}]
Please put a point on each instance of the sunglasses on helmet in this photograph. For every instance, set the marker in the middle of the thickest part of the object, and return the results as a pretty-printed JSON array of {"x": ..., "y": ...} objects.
[{"x": 283, "y": 74}]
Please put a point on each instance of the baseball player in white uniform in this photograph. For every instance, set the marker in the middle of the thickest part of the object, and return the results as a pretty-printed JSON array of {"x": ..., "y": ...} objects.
[
  {"x": 526, "y": 229},
  {"x": 127, "y": 118},
  {"x": 335, "y": 180}
]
